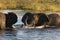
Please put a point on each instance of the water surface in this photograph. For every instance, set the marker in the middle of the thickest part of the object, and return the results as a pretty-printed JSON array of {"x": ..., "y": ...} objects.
[{"x": 30, "y": 34}]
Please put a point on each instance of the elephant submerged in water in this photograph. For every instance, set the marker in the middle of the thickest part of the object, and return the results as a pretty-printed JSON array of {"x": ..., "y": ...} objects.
[
  {"x": 41, "y": 20},
  {"x": 11, "y": 18},
  {"x": 7, "y": 20},
  {"x": 35, "y": 20},
  {"x": 2, "y": 21},
  {"x": 27, "y": 19},
  {"x": 54, "y": 20}
]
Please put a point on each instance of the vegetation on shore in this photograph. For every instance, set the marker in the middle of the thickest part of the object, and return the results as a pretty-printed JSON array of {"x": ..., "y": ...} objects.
[{"x": 31, "y": 5}]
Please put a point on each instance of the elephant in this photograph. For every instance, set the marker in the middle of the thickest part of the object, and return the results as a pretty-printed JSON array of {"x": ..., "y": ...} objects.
[
  {"x": 2, "y": 21},
  {"x": 11, "y": 18},
  {"x": 54, "y": 20},
  {"x": 27, "y": 19},
  {"x": 42, "y": 19},
  {"x": 35, "y": 19}
]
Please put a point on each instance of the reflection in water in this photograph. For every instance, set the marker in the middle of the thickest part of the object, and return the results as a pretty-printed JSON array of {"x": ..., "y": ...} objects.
[{"x": 30, "y": 34}]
